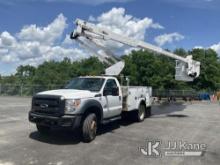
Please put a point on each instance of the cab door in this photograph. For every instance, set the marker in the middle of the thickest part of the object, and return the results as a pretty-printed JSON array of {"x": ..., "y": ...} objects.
[{"x": 112, "y": 98}]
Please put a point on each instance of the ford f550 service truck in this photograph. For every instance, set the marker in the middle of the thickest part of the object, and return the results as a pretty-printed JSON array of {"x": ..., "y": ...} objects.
[{"x": 87, "y": 102}]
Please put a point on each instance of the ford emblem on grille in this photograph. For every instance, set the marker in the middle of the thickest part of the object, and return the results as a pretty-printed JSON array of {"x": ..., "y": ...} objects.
[{"x": 44, "y": 106}]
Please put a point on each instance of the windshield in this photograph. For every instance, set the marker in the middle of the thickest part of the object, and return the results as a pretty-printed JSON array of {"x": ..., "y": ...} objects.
[{"x": 91, "y": 84}]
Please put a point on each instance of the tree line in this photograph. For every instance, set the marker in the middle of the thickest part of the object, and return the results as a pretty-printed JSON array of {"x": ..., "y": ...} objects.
[{"x": 142, "y": 68}]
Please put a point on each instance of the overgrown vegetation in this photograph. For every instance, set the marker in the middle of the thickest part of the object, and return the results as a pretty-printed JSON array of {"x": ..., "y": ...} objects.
[{"x": 142, "y": 67}]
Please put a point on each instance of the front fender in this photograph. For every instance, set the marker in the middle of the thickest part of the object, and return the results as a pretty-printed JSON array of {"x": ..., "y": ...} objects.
[{"x": 91, "y": 104}]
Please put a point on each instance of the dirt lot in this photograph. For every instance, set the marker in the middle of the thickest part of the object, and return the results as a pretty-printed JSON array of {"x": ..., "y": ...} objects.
[{"x": 117, "y": 143}]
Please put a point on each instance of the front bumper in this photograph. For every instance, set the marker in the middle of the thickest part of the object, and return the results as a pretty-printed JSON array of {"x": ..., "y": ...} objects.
[{"x": 64, "y": 121}]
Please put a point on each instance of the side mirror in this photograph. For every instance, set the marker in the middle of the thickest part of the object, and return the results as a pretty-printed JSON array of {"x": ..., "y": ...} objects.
[
  {"x": 106, "y": 92},
  {"x": 111, "y": 91},
  {"x": 115, "y": 91}
]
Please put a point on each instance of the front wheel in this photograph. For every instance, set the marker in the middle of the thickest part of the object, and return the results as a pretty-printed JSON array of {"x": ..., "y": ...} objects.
[
  {"x": 43, "y": 129},
  {"x": 89, "y": 127}
]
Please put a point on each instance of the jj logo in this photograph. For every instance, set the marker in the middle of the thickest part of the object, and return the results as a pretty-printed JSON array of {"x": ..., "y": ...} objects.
[{"x": 151, "y": 148}]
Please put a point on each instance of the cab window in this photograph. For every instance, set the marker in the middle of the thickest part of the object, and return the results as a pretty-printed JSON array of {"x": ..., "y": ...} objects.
[{"x": 111, "y": 87}]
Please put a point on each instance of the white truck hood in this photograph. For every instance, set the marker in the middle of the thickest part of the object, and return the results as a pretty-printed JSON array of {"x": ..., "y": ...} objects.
[{"x": 70, "y": 93}]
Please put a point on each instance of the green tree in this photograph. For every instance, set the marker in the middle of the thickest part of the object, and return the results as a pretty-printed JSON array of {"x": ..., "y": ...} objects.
[
  {"x": 210, "y": 69},
  {"x": 142, "y": 67},
  {"x": 91, "y": 66}
]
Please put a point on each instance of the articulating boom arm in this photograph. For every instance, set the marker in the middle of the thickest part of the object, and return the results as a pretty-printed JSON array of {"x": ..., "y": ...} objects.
[{"x": 186, "y": 68}]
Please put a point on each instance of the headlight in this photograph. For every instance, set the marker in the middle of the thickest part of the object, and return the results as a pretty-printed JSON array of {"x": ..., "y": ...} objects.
[{"x": 71, "y": 105}]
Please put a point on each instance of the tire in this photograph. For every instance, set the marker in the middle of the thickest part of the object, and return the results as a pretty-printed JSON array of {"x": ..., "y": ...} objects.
[
  {"x": 43, "y": 129},
  {"x": 141, "y": 113},
  {"x": 148, "y": 112},
  {"x": 89, "y": 128}
]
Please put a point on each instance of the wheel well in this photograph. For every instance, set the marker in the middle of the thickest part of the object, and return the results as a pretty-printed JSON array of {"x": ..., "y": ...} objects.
[
  {"x": 95, "y": 110},
  {"x": 142, "y": 102}
]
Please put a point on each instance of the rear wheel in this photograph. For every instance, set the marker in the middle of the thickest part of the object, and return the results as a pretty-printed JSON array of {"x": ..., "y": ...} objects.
[
  {"x": 43, "y": 129},
  {"x": 89, "y": 127},
  {"x": 141, "y": 113}
]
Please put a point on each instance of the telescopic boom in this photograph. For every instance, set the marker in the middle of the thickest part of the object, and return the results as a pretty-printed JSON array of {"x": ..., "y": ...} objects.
[{"x": 187, "y": 69}]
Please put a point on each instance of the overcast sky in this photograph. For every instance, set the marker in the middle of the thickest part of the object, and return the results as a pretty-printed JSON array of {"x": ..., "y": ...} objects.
[{"x": 33, "y": 31}]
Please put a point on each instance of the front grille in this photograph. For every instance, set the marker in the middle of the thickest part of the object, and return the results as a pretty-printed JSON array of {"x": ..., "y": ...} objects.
[{"x": 49, "y": 105}]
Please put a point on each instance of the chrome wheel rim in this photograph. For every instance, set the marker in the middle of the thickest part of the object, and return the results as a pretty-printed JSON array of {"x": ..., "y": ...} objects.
[
  {"x": 93, "y": 128},
  {"x": 141, "y": 112}
]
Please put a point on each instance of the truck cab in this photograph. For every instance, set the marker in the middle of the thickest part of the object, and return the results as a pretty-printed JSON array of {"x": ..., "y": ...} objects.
[{"x": 85, "y": 103}]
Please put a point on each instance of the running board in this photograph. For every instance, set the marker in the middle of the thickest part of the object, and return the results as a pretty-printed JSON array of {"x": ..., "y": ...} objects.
[{"x": 106, "y": 121}]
